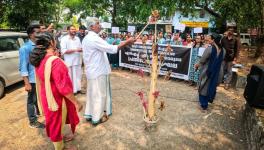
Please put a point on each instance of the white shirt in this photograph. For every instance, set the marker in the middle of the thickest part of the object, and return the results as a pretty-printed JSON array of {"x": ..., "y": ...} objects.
[
  {"x": 94, "y": 55},
  {"x": 67, "y": 43}
]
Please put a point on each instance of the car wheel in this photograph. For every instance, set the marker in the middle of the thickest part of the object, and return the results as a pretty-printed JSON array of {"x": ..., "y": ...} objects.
[
  {"x": 246, "y": 46},
  {"x": 2, "y": 89}
]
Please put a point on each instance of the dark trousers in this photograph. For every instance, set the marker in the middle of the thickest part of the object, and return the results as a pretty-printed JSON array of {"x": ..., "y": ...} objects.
[
  {"x": 114, "y": 59},
  {"x": 228, "y": 72},
  {"x": 204, "y": 100},
  {"x": 32, "y": 104}
]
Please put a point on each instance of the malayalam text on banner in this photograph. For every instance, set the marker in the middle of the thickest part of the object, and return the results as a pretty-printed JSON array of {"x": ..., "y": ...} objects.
[{"x": 177, "y": 61}]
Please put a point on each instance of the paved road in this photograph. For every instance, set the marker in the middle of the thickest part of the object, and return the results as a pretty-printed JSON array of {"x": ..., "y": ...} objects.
[{"x": 181, "y": 126}]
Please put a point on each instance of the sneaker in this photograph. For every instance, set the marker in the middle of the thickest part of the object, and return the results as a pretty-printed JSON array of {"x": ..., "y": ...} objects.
[{"x": 37, "y": 124}]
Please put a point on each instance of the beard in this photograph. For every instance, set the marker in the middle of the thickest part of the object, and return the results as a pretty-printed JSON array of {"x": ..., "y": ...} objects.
[{"x": 72, "y": 33}]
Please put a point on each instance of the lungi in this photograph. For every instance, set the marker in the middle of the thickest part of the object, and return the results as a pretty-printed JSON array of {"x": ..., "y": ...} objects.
[
  {"x": 99, "y": 98},
  {"x": 75, "y": 73}
]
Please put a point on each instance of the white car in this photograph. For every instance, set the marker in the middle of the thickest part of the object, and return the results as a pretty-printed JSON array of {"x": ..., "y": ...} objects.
[
  {"x": 245, "y": 39},
  {"x": 10, "y": 42}
]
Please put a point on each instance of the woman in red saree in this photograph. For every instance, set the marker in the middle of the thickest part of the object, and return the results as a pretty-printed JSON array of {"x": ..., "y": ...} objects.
[{"x": 55, "y": 90}]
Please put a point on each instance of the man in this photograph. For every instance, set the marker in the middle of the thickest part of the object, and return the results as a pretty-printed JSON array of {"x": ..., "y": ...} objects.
[
  {"x": 114, "y": 58},
  {"x": 98, "y": 102},
  {"x": 50, "y": 28},
  {"x": 42, "y": 28},
  {"x": 28, "y": 73},
  {"x": 81, "y": 34},
  {"x": 176, "y": 40},
  {"x": 232, "y": 45},
  {"x": 168, "y": 38},
  {"x": 71, "y": 49}
]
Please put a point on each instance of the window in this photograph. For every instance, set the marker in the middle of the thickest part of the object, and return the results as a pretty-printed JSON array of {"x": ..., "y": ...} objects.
[
  {"x": 25, "y": 39},
  {"x": 9, "y": 44},
  {"x": 247, "y": 36},
  {"x": 22, "y": 40}
]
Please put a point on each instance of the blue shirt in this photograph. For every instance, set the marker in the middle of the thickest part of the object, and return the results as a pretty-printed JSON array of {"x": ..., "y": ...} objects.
[
  {"x": 25, "y": 68},
  {"x": 161, "y": 41},
  {"x": 113, "y": 41}
]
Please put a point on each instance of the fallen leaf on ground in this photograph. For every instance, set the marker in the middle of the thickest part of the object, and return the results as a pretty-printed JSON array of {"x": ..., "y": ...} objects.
[{"x": 206, "y": 116}]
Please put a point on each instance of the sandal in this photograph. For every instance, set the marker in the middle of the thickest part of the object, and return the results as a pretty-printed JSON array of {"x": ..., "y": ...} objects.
[
  {"x": 72, "y": 147},
  {"x": 68, "y": 137},
  {"x": 104, "y": 118}
]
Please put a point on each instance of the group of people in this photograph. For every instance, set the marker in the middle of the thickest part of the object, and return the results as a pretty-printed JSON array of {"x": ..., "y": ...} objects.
[
  {"x": 52, "y": 77},
  {"x": 53, "y": 81},
  {"x": 215, "y": 65}
]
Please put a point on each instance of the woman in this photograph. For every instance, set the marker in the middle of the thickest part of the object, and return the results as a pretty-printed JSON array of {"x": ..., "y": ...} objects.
[
  {"x": 188, "y": 41},
  {"x": 55, "y": 90},
  {"x": 211, "y": 70},
  {"x": 194, "y": 74}
]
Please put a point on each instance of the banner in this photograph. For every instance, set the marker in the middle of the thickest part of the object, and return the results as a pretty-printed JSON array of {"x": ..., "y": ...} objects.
[
  {"x": 195, "y": 24},
  {"x": 106, "y": 25},
  {"x": 131, "y": 29},
  {"x": 115, "y": 30},
  {"x": 198, "y": 30},
  {"x": 168, "y": 28},
  {"x": 180, "y": 27},
  {"x": 177, "y": 61}
]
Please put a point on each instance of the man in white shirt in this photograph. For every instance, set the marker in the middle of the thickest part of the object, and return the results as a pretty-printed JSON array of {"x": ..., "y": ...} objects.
[
  {"x": 99, "y": 100},
  {"x": 71, "y": 49}
]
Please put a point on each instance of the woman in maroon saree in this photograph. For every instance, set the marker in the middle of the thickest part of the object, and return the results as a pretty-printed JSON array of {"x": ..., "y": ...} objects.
[{"x": 55, "y": 90}]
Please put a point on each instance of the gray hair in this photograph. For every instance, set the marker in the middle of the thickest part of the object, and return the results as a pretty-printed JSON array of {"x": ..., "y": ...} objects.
[{"x": 91, "y": 21}]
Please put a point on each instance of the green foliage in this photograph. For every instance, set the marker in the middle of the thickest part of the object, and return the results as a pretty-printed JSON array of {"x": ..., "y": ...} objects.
[
  {"x": 19, "y": 13},
  {"x": 244, "y": 13}
]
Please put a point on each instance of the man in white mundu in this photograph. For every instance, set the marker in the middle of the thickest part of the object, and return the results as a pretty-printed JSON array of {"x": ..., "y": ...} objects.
[
  {"x": 71, "y": 49},
  {"x": 99, "y": 100}
]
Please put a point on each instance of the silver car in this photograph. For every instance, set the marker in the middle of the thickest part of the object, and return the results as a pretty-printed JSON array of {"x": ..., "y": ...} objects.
[{"x": 10, "y": 42}]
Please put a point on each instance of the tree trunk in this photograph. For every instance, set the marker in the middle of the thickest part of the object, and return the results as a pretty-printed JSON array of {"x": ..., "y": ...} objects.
[
  {"x": 262, "y": 16},
  {"x": 260, "y": 40},
  {"x": 153, "y": 83},
  {"x": 114, "y": 13}
]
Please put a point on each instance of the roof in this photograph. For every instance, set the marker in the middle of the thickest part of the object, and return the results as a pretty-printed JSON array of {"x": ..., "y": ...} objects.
[{"x": 7, "y": 33}]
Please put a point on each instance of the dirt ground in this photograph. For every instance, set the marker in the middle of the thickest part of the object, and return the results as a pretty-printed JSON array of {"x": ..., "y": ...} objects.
[{"x": 181, "y": 124}]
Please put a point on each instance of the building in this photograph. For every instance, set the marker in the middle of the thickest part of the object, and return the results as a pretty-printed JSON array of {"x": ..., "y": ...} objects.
[{"x": 199, "y": 18}]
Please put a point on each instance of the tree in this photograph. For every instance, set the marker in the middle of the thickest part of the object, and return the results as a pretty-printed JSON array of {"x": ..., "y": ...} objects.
[{"x": 19, "y": 14}]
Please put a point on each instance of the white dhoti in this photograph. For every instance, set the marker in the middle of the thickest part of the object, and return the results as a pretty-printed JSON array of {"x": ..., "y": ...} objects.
[
  {"x": 75, "y": 73},
  {"x": 99, "y": 98}
]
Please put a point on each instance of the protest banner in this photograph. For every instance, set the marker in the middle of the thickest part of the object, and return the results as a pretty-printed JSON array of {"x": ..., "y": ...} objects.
[{"x": 177, "y": 61}]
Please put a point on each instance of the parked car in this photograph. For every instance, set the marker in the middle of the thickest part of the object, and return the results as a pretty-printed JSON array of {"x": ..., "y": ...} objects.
[
  {"x": 10, "y": 42},
  {"x": 245, "y": 39}
]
